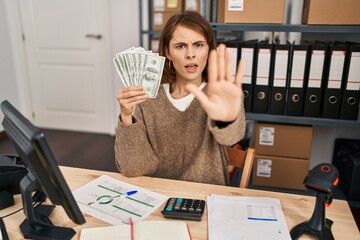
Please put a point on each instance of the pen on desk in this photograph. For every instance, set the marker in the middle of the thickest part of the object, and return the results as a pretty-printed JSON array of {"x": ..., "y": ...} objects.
[{"x": 130, "y": 193}]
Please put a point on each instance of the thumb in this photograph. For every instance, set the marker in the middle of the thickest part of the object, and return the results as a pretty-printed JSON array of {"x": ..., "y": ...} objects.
[{"x": 200, "y": 95}]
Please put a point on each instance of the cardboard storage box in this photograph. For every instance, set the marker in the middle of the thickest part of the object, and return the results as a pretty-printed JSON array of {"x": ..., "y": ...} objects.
[
  {"x": 167, "y": 5},
  {"x": 283, "y": 140},
  {"x": 280, "y": 172},
  {"x": 160, "y": 18},
  {"x": 251, "y": 11},
  {"x": 331, "y": 12},
  {"x": 162, "y": 10}
]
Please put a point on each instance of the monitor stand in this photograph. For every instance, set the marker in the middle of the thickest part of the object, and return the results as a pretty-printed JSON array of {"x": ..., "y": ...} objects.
[{"x": 37, "y": 224}]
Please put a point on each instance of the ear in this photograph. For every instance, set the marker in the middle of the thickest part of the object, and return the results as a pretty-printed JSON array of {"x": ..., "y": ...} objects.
[{"x": 167, "y": 54}]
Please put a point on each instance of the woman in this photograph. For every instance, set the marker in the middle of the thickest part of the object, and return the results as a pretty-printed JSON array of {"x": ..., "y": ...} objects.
[{"x": 182, "y": 133}]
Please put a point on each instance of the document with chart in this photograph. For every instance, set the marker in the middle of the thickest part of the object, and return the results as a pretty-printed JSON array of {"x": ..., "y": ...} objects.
[
  {"x": 117, "y": 202},
  {"x": 235, "y": 217}
]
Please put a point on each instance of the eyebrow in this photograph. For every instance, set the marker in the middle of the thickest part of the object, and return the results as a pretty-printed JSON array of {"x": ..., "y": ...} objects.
[{"x": 199, "y": 41}]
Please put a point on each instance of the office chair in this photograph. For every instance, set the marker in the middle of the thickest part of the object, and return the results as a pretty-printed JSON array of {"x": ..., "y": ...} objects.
[{"x": 241, "y": 162}]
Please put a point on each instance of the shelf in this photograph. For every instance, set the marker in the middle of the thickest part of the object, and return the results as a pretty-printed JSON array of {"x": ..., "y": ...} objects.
[
  {"x": 303, "y": 120},
  {"x": 286, "y": 28}
]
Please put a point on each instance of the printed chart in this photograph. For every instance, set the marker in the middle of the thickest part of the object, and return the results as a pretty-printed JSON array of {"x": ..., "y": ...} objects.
[{"x": 108, "y": 199}]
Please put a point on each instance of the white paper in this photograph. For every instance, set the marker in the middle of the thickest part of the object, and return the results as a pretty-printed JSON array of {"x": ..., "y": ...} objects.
[
  {"x": 266, "y": 136},
  {"x": 233, "y": 218},
  {"x": 119, "y": 210}
]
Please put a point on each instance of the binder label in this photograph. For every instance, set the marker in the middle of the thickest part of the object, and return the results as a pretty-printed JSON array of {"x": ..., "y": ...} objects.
[
  {"x": 281, "y": 62},
  {"x": 298, "y": 69},
  {"x": 262, "y": 77},
  {"x": 263, "y": 168},
  {"x": 316, "y": 68},
  {"x": 247, "y": 55},
  {"x": 235, "y": 5},
  {"x": 234, "y": 55},
  {"x": 336, "y": 69},
  {"x": 267, "y": 136},
  {"x": 353, "y": 82}
]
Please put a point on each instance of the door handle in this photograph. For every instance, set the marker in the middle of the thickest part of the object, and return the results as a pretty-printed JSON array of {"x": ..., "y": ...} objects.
[{"x": 96, "y": 36}]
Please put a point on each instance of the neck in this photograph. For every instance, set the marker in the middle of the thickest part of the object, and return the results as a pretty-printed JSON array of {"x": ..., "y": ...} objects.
[{"x": 178, "y": 90}]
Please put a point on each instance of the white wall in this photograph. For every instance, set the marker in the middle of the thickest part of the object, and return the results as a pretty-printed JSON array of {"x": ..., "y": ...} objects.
[
  {"x": 125, "y": 22},
  {"x": 124, "y": 25},
  {"x": 8, "y": 83}
]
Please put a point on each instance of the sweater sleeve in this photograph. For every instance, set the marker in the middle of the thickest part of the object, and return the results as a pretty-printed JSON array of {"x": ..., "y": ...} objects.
[
  {"x": 134, "y": 155},
  {"x": 230, "y": 134}
]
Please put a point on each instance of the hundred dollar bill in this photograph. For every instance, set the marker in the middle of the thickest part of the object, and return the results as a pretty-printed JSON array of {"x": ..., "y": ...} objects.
[
  {"x": 136, "y": 66},
  {"x": 119, "y": 71},
  {"x": 152, "y": 73}
]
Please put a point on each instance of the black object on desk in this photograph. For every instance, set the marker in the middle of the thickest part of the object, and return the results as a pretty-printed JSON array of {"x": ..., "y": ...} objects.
[
  {"x": 322, "y": 179},
  {"x": 184, "y": 208},
  {"x": 12, "y": 170}
]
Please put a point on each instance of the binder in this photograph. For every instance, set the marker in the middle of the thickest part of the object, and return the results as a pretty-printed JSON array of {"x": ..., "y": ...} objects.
[
  {"x": 279, "y": 78},
  {"x": 334, "y": 81},
  {"x": 262, "y": 78},
  {"x": 233, "y": 46},
  {"x": 247, "y": 53},
  {"x": 297, "y": 79},
  {"x": 315, "y": 85},
  {"x": 351, "y": 92}
]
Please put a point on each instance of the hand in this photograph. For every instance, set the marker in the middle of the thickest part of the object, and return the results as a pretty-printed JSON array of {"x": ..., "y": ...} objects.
[
  {"x": 223, "y": 98},
  {"x": 128, "y": 98}
]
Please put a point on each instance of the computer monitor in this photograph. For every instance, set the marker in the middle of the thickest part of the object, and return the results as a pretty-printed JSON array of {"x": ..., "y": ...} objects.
[{"x": 43, "y": 175}]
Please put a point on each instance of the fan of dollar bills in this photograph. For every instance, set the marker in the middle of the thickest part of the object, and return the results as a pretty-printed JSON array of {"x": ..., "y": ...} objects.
[{"x": 138, "y": 67}]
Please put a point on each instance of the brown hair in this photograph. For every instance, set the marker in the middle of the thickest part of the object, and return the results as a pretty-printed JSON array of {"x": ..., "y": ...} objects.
[{"x": 189, "y": 19}]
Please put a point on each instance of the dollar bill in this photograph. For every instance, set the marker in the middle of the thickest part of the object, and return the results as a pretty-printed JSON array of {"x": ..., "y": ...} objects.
[
  {"x": 138, "y": 67},
  {"x": 152, "y": 73}
]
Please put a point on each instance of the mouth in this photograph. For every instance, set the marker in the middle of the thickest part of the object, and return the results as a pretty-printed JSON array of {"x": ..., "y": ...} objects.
[{"x": 191, "y": 67}]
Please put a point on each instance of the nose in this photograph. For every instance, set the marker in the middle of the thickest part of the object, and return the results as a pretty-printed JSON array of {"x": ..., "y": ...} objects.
[{"x": 190, "y": 53}]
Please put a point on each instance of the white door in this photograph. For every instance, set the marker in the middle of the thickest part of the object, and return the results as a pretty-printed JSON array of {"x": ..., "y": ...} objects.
[{"x": 67, "y": 50}]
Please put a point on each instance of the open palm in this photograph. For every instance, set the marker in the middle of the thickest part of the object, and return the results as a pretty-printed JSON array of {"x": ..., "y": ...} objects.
[{"x": 223, "y": 99}]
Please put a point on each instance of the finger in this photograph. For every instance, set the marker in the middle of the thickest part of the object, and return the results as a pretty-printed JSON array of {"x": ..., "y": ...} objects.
[
  {"x": 125, "y": 101},
  {"x": 131, "y": 88},
  {"x": 228, "y": 65},
  {"x": 212, "y": 66},
  {"x": 200, "y": 95},
  {"x": 221, "y": 54},
  {"x": 240, "y": 73},
  {"x": 131, "y": 92}
]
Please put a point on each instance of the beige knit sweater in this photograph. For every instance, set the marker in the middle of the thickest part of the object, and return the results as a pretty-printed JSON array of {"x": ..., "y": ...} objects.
[{"x": 165, "y": 142}]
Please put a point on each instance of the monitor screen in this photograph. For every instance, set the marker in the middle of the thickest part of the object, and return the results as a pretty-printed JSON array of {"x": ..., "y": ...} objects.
[{"x": 44, "y": 175}]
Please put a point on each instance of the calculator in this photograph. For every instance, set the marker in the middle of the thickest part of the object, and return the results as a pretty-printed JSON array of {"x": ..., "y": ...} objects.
[{"x": 184, "y": 208}]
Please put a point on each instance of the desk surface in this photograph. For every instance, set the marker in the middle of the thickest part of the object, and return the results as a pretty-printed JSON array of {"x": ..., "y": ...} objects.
[{"x": 296, "y": 208}]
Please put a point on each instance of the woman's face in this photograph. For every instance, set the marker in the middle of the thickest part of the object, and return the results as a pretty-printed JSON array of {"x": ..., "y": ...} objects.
[{"x": 188, "y": 51}]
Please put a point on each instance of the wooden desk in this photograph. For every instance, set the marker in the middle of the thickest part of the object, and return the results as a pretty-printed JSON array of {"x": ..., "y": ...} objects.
[{"x": 297, "y": 208}]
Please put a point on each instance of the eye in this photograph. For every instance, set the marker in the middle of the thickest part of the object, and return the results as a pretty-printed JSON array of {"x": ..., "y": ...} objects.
[
  {"x": 180, "y": 46},
  {"x": 199, "y": 44}
]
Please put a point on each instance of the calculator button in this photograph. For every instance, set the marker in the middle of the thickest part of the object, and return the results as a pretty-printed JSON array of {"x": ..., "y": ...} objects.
[{"x": 184, "y": 208}]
